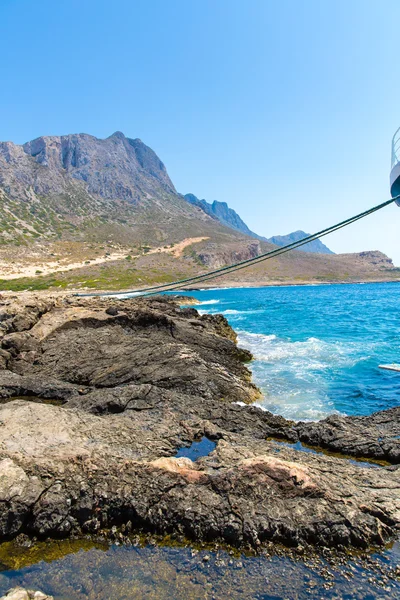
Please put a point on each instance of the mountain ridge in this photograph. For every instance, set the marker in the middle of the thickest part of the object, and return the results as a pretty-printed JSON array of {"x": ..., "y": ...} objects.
[
  {"x": 108, "y": 208},
  {"x": 229, "y": 217},
  {"x": 60, "y": 187},
  {"x": 85, "y": 158},
  {"x": 314, "y": 246},
  {"x": 223, "y": 213}
]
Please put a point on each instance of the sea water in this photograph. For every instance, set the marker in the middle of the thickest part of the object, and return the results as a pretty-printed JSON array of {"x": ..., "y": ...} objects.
[{"x": 317, "y": 349}]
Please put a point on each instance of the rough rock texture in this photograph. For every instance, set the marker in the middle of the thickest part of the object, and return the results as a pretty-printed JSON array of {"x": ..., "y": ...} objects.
[
  {"x": 45, "y": 163},
  {"x": 138, "y": 380},
  {"x": 376, "y": 436},
  {"x": 148, "y": 343},
  {"x": 374, "y": 258},
  {"x": 214, "y": 258},
  {"x": 224, "y": 214},
  {"x": 20, "y": 593}
]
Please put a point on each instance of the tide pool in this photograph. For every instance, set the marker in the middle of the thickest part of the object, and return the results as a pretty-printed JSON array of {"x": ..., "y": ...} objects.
[{"x": 317, "y": 348}]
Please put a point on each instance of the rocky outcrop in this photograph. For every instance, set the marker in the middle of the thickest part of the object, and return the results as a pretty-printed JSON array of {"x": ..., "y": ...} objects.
[
  {"x": 20, "y": 593},
  {"x": 65, "y": 471},
  {"x": 224, "y": 214},
  {"x": 377, "y": 258},
  {"x": 372, "y": 258},
  {"x": 140, "y": 343},
  {"x": 213, "y": 257},
  {"x": 376, "y": 436},
  {"x": 135, "y": 381},
  {"x": 116, "y": 167}
]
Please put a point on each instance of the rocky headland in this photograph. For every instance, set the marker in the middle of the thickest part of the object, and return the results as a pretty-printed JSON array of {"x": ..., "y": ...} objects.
[{"x": 99, "y": 395}]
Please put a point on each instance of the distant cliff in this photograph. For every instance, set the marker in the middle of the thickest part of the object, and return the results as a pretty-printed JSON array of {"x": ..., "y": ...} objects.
[
  {"x": 228, "y": 217},
  {"x": 116, "y": 167},
  {"x": 316, "y": 246},
  {"x": 225, "y": 215}
]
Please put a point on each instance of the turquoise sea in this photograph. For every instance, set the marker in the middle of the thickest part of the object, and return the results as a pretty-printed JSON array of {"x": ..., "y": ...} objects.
[{"x": 317, "y": 348}]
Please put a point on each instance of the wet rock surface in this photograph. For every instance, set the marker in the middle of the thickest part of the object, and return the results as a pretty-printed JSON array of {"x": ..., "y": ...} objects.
[
  {"x": 140, "y": 379},
  {"x": 376, "y": 436}
]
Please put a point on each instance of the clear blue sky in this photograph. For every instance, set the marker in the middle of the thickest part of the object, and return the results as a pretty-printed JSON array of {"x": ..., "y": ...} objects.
[{"x": 283, "y": 109}]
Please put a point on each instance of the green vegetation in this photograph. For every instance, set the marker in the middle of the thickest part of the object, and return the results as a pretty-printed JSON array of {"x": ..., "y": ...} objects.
[
  {"x": 194, "y": 256},
  {"x": 108, "y": 278},
  {"x": 15, "y": 556}
]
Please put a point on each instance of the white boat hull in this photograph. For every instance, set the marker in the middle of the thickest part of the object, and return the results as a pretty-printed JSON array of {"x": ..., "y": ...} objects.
[
  {"x": 395, "y": 182},
  {"x": 392, "y": 367}
]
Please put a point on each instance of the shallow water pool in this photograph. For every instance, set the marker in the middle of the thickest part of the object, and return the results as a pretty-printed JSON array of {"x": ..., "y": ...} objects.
[{"x": 158, "y": 572}]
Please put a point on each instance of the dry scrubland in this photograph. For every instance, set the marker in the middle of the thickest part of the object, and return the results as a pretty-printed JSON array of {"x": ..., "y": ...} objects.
[
  {"x": 79, "y": 265},
  {"x": 79, "y": 212}
]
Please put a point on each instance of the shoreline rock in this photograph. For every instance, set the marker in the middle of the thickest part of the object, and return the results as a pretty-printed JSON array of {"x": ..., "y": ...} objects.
[
  {"x": 139, "y": 379},
  {"x": 20, "y": 593}
]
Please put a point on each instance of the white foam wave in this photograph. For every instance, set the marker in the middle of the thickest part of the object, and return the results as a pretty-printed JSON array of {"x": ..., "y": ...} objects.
[
  {"x": 246, "y": 335},
  {"x": 311, "y": 353},
  {"x": 125, "y": 296},
  {"x": 292, "y": 411},
  {"x": 233, "y": 311},
  {"x": 292, "y": 374},
  {"x": 208, "y": 302},
  {"x": 218, "y": 289}
]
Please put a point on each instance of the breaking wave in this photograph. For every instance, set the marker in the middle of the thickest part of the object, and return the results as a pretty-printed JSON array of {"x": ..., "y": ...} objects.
[
  {"x": 208, "y": 302},
  {"x": 317, "y": 348},
  {"x": 294, "y": 375}
]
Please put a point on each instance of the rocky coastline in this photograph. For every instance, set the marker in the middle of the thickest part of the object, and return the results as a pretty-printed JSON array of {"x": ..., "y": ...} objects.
[{"x": 98, "y": 396}]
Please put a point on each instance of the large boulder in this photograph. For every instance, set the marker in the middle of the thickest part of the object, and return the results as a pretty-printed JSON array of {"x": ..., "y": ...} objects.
[{"x": 20, "y": 593}]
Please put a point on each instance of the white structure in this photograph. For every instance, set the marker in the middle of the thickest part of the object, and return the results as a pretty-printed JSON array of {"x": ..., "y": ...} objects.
[{"x": 395, "y": 172}]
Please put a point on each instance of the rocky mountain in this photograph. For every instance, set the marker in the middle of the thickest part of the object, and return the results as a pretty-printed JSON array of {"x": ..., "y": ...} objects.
[
  {"x": 103, "y": 213},
  {"x": 81, "y": 187},
  {"x": 225, "y": 215},
  {"x": 117, "y": 167},
  {"x": 314, "y": 246},
  {"x": 229, "y": 217}
]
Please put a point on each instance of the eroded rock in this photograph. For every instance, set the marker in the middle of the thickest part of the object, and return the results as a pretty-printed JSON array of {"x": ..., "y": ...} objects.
[
  {"x": 86, "y": 472},
  {"x": 20, "y": 593},
  {"x": 139, "y": 382},
  {"x": 376, "y": 436}
]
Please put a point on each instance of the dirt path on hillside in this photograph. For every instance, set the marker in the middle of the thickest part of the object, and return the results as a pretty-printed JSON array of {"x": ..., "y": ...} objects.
[
  {"x": 177, "y": 249},
  {"x": 18, "y": 269},
  {"x": 14, "y": 270}
]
